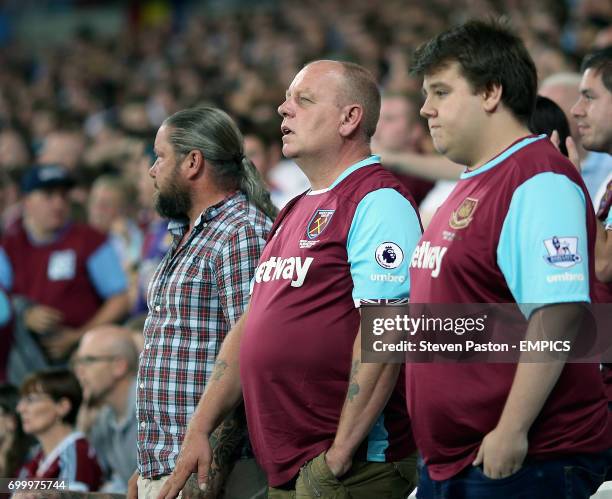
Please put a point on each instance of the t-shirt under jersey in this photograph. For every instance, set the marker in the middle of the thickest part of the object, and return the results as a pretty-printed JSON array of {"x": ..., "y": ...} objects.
[
  {"x": 328, "y": 250},
  {"x": 73, "y": 460},
  {"x": 515, "y": 230}
]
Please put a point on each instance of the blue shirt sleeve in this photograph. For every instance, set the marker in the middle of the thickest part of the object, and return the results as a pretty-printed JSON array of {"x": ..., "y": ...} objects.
[
  {"x": 543, "y": 249},
  {"x": 5, "y": 308},
  {"x": 106, "y": 272},
  {"x": 6, "y": 271},
  {"x": 383, "y": 234},
  {"x": 608, "y": 222}
]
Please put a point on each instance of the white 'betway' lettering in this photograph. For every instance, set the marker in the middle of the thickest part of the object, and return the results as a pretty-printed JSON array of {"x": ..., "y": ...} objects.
[
  {"x": 284, "y": 268},
  {"x": 426, "y": 256}
]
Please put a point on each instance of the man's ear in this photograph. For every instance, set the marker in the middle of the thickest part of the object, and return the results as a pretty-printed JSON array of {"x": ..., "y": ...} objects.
[
  {"x": 491, "y": 97},
  {"x": 352, "y": 115},
  {"x": 193, "y": 164}
]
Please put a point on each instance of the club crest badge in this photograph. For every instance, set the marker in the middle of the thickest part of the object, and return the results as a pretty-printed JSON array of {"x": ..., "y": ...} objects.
[
  {"x": 463, "y": 216},
  {"x": 318, "y": 223},
  {"x": 562, "y": 251}
]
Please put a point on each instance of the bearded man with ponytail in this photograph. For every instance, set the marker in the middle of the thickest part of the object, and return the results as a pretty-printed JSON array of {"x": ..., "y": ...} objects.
[{"x": 220, "y": 216}]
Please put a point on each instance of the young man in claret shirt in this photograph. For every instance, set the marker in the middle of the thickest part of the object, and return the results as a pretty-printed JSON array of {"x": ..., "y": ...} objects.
[{"x": 503, "y": 430}]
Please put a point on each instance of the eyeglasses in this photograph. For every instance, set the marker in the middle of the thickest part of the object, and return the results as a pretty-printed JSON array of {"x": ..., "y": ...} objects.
[{"x": 87, "y": 360}]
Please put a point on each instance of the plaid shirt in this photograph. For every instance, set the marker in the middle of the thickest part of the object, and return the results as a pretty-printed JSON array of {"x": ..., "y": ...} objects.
[{"x": 196, "y": 295}]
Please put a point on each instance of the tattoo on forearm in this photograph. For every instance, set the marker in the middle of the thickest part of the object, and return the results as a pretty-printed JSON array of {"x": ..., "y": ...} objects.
[
  {"x": 224, "y": 442},
  {"x": 219, "y": 369},
  {"x": 227, "y": 437},
  {"x": 353, "y": 388}
]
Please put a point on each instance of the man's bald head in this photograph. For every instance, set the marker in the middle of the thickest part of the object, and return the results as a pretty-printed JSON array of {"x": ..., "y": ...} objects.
[
  {"x": 357, "y": 86},
  {"x": 110, "y": 340}
]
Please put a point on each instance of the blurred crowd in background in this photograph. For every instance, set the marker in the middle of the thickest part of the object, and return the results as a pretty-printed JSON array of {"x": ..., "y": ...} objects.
[{"x": 93, "y": 103}]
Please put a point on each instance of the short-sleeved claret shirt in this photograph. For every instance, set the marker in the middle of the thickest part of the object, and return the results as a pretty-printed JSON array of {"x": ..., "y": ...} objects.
[
  {"x": 519, "y": 229},
  {"x": 328, "y": 251}
]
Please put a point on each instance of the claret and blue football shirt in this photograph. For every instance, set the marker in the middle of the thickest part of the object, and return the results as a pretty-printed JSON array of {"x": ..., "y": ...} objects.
[{"x": 328, "y": 250}]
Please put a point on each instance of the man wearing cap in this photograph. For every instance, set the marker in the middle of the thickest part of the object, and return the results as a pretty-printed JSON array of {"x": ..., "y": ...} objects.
[{"x": 64, "y": 278}]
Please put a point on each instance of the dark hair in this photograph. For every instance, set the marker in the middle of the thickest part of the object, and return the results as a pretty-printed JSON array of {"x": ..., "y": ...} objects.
[
  {"x": 488, "y": 53},
  {"x": 214, "y": 133},
  {"x": 601, "y": 62},
  {"x": 9, "y": 397},
  {"x": 548, "y": 117},
  {"x": 16, "y": 454},
  {"x": 58, "y": 384}
]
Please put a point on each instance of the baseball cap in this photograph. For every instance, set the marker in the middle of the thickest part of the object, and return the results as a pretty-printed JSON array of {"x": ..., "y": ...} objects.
[{"x": 44, "y": 177}]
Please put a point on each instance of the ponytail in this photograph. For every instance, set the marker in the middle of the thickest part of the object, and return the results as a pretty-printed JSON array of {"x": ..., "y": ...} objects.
[{"x": 253, "y": 187}]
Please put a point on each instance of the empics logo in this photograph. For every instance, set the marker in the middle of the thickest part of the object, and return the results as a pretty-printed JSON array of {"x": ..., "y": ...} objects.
[
  {"x": 389, "y": 255},
  {"x": 426, "y": 256},
  {"x": 562, "y": 251},
  {"x": 292, "y": 268}
]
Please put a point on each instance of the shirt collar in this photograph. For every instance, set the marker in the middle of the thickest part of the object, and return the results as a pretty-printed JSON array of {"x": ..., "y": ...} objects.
[
  {"x": 370, "y": 160},
  {"x": 516, "y": 146},
  {"x": 178, "y": 227},
  {"x": 130, "y": 414},
  {"x": 58, "y": 234}
]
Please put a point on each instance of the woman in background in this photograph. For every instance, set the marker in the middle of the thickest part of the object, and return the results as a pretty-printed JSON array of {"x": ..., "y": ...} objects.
[
  {"x": 549, "y": 117},
  {"x": 48, "y": 408}
]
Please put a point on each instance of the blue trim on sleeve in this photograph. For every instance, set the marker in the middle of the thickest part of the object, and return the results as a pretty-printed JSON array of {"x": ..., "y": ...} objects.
[
  {"x": 543, "y": 249},
  {"x": 378, "y": 441},
  {"x": 6, "y": 271},
  {"x": 608, "y": 222},
  {"x": 503, "y": 156},
  {"x": 106, "y": 272},
  {"x": 383, "y": 234},
  {"x": 5, "y": 309}
]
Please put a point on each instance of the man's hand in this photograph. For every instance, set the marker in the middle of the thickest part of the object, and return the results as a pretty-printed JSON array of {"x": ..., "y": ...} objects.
[
  {"x": 502, "y": 453},
  {"x": 42, "y": 319},
  {"x": 570, "y": 145},
  {"x": 196, "y": 454},
  {"x": 132, "y": 492},
  {"x": 338, "y": 462},
  {"x": 58, "y": 345},
  {"x": 572, "y": 153}
]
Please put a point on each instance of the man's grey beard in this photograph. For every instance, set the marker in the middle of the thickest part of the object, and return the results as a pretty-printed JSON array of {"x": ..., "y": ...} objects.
[{"x": 174, "y": 204}]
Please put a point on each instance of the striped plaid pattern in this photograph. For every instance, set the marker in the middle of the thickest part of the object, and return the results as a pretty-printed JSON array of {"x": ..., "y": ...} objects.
[{"x": 196, "y": 295}]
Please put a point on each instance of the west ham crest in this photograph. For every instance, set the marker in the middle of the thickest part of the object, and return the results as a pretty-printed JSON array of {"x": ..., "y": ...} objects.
[
  {"x": 462, "y": 216},
  {"x": 318, "y": 223}
]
